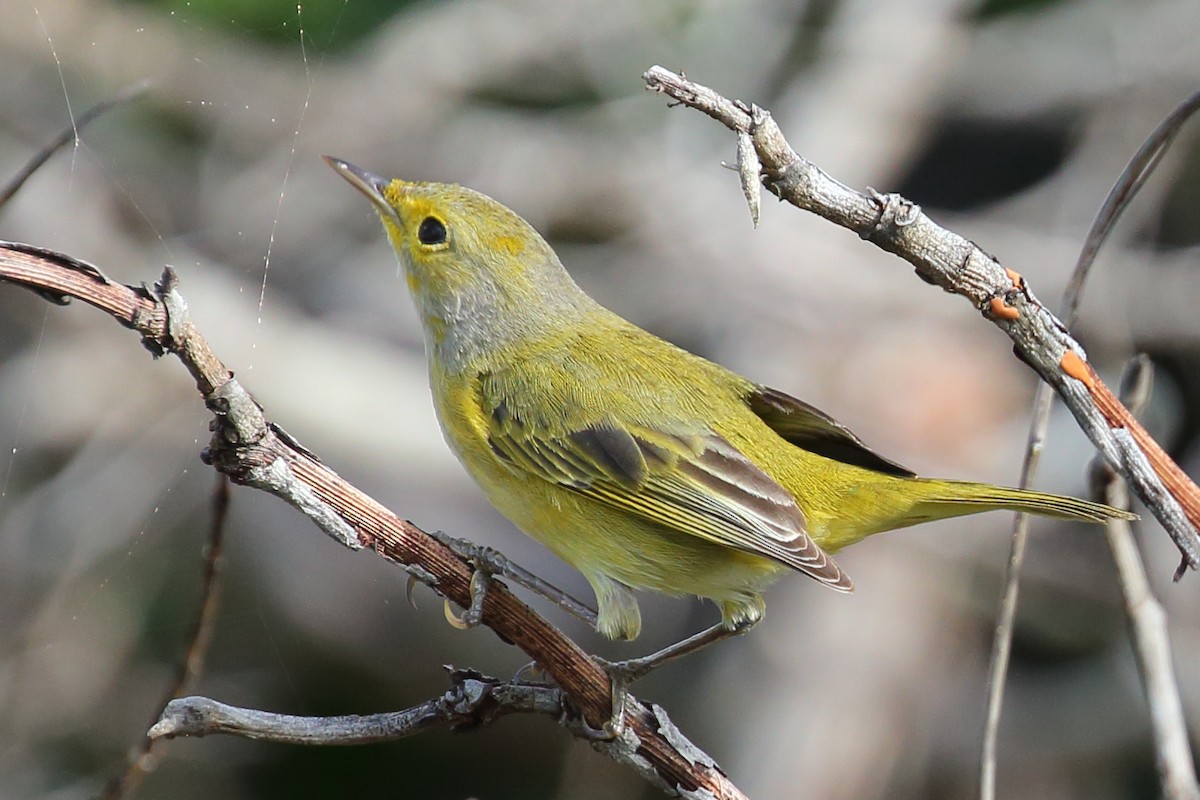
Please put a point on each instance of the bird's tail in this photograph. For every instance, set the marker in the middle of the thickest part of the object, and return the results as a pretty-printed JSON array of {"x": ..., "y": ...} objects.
[
  {"x": 956, "y": 498},
  {"x": 897, "y": 502}
]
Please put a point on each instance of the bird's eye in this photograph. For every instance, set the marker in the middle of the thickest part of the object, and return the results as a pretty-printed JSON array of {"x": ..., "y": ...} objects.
[{"x": 432, "y": 231}]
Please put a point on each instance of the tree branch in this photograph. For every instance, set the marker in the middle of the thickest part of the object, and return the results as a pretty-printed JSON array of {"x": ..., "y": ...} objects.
[
  {"x": 1132, "y": 178},
  {"x": 256, "y": 453},
  {"x": 472, "y": 701},
  {"x": 1002, "y": 295},
  {"x": 1147, "y": 618}
]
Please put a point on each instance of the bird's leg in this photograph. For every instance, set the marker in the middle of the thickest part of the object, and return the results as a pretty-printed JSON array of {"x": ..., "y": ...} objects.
[
  {"x": 489, "y": 562},
  {"x": 634, "y": 669},
  {"x": 623, "y": 673}
]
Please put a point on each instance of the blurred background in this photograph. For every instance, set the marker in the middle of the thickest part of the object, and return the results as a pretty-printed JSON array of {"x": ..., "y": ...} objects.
[{"x": 1006, "y": 120}]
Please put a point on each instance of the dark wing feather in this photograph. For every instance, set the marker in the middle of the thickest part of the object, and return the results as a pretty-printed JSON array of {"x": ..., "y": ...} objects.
[{"x": 817, "y": 432}]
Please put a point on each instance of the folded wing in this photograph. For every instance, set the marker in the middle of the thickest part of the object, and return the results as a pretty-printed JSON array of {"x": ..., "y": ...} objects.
[{"x": 699, "y": 484}]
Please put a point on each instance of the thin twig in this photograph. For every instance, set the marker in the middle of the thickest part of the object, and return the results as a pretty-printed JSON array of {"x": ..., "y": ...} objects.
[
  {"x": 1006, "y": 622},
  {"x": 68, "y": 135},
  {"x": 141, "y": 759},
  {"x": 1147, "y": 617},
  {"x": 474, "y": 700},
  {"x": 1131, "y": 180}
]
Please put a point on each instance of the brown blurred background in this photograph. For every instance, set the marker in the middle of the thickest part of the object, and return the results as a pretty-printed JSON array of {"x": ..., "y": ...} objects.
[{"x": 1006, "y": 120}]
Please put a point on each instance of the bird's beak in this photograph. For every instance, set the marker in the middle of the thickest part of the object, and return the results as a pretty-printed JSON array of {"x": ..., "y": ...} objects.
[{"x": 368, "y": 183}]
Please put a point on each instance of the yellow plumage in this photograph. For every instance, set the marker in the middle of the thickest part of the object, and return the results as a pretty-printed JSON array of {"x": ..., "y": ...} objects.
[{"x": 638, "y": 463}]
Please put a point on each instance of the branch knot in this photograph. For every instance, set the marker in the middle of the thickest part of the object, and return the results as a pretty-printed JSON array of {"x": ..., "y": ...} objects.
[{"x": 895, "y": 212}]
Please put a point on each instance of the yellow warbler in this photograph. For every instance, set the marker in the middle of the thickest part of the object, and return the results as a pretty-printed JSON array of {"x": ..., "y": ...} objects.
[{"x": 640, "y": 464}]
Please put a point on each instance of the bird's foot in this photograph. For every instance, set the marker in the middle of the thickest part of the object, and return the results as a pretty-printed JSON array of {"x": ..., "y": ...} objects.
[
  {"x": 614, "y": 727},
  {"x": 491, "y": 562},
  {"x": 634, "y": 669},
  {"x": 622, "y": 674},
  {"x": 480, "y": 581}
]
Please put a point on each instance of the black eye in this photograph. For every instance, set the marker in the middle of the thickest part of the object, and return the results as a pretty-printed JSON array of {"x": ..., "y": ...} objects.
[{"x": 432, "y": 231}]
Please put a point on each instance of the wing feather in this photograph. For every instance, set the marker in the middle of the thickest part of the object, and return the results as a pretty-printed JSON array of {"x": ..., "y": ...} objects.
[
  {"x": 698, "y": 484},
  {"x": 812, "y": 429}
]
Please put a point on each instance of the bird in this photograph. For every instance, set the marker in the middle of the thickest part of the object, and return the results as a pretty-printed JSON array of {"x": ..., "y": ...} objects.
[{"x": 638, "y": 463}]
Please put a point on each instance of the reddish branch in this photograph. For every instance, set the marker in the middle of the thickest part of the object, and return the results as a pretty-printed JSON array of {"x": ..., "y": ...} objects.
[
  {"x": 1177, "y": 482},
  {"x": 253, "y": 452}
]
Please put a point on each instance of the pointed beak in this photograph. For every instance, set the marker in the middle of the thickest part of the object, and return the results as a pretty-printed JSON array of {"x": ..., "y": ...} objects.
[{"x": 368, "y": 183}]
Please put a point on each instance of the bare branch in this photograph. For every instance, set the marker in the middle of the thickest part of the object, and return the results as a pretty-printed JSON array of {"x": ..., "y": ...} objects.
[
  {"x": 1132, "y": 178},
  {"x": 1004, "y": 297},
  {"x": 473, "y": 700},
  {"x": 256, "y": 453},
  {"x": 1147, "y": 618},
  {"x": 946, "y": 259},
  {"x": 1002, "y": 636}
]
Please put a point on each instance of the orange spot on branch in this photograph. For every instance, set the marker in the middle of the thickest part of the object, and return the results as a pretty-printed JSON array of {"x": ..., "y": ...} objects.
[
  {"x": 1015, "y": 277},
  {"x": 1077, "y": 368},
  {"x": 1181, "y": 487},
  {"x": 1002, "y": 310}
]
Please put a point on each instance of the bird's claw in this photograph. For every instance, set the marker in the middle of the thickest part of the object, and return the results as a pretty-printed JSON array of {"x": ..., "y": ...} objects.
[
  {"x": 480, "y": 581},
  {"x": 614, "y": 726}
]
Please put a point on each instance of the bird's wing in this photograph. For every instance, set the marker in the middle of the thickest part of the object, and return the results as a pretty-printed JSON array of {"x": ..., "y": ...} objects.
[
  {"x": 696, "y": 483},
  {"x": 815, "y": 431}
]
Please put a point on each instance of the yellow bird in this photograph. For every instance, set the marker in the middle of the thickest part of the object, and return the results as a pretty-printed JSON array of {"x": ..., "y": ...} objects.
[{"x": 641, "y": 465}]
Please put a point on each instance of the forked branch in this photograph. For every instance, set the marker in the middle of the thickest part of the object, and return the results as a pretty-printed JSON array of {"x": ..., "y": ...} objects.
[{"x": 254, "y": 452}]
